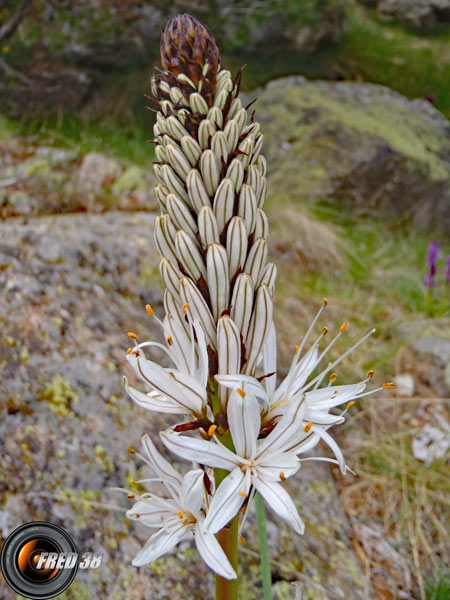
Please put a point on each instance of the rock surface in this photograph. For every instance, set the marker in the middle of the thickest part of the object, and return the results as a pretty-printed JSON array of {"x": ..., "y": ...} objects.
[
  {"x": 361, "y": 146},
  {"x": 73, "y": 285},
  {"x": 422, "y": 15}
]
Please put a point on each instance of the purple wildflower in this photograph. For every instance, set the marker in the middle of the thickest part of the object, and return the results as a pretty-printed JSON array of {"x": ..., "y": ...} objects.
[{"x": 432, "y": 255}]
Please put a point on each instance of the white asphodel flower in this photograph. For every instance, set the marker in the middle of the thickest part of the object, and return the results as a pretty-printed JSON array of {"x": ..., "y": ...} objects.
[
  {"x": 181, "y": 389},
  {"x": 299, "y": 388},
  {"x": 255, "y": 465},
  {"x": 180, "y": 517}
]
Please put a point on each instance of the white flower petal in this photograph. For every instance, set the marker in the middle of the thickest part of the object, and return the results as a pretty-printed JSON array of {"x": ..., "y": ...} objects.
[
  {"x": 227, "y": 500},
  {"x": 319, "y": 417},
  {"x": 270, "y": 360},
  {"x": 277, "y": 466},
  {"x": 245, "y": 422},
  {"x": 152, "y": 513},
  {"x": 280, "y": 502},
  {"x": 329, "y": 397},
  {"x": 287, "y": 432},
  {"x": 326, "y": 437},
  {"x": 200, "y": 451},
  {"x": 162, "y": 467},
  {"x": 193, "y": 491},
  {"x": 154, "y": 401},
  {"x": 161, "y": 544},
  {"x": 213, "y": 555}
]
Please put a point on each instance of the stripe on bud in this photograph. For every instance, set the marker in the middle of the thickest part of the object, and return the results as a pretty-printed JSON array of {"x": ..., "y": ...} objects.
[
  {"x": 161, "y": 193},
  {"x": 247, "y": 207},
  {"x": 176, "y": 95},
  {"x": 198, "y": 309},
  {"x": 269, "y": 276},
  {"x": 220, "y": 99},
  {"x": 180, "y": 215},
  {"x": 178, "y": 161},
  {"x": 258, "y": 147},
  {"x": 171, "y": 277},
  {"x": 210, "y": 170},
  {"x": 236, "y": 105},
  {"x": 261, "y": 225},
  {"x": 160, "y": 153},
  {"x": 235, "y": 172},
  {"x": 260, "y": 324},
  {"x": 191, "y": 149},
  {"x": 229, "y": 353},
  {"x": 241, "y": 119},
  {"x": 198, "y": 195},
  {"x": 198, "y": 104},
  {"x": 256, "y": 260},
  {"x": 219, "y": 146},
  {"x": 237, "y": 242},
  {"x": 205, "y": 131},
  {"x": 174, "y": 183},
  {"x": 224, "y": 203},
  {"x": 216, "y": 116},
  {"x": 189, "y": 256},
  {"x": 242, "y": 303},
  {"x": 262, "y": 192},
  {"x": 165, "y": 233},
  {"x": 246, "y": 147},
  {"x": 218, "y": 278},
  {"x": 207, "y": 227},
  {"x": 175, "y": 128},
  {"x": 232, "y": 134}
]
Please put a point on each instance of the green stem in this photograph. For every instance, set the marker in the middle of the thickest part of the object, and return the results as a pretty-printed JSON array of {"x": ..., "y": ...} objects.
[
  {"x": 227, "y": 589},
  {"x": 263, "y": 549}
]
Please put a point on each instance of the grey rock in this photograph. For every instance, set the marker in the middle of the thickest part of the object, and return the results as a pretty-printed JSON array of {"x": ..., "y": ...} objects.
[
  {"x": 419, "y": 14},
  {"x": 357, "y": 145}
]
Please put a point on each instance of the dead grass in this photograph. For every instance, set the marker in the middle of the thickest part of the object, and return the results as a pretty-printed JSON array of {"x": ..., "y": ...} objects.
[{"x": 399, "y": 507}]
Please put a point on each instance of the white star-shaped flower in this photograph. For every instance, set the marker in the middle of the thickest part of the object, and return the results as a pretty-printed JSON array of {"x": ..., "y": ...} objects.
[
  {"x": 257, "y": 464},
  {"x": 180, "y": 517}
]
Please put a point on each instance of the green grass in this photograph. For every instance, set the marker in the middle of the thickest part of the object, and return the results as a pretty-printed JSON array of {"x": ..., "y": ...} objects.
[
  {"x": 125, "y": 141},
  {"x": 440, "y": 589},
  {"x": 388, "y": 54}
]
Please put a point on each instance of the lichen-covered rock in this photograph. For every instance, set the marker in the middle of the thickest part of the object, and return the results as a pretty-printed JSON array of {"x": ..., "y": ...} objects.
[
  {"x": 41, "y": 180},
  {"x": 361, "y": 146},
  {"x": 73, "y": 285}
]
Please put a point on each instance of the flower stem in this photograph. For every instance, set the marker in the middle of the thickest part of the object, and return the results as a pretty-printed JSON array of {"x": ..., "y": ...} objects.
[
  {"x": 263, "y": 549},
  {"x": 227, "y": 589}
]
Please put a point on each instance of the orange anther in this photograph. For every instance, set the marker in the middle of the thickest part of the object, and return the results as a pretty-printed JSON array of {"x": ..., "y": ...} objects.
[
  {"x": 130, "y": 350},
  {"x": 185, "y": 307},
  {"x": 307, "y": 427},
  {"x": 325, "y": 331},
  {"x": 297, "y": 349},
  {"x": 137, "y": 515},
  {"x": 169, "y": 340},
  {"x": 243, "y": 494},
  {"x": 282, "y": 477},
  {"x": 344, "y": 326},
  {"x": 180, "y": 513},
  {"x": 333, "y": 377},
  {"x": 370, "y": 373},
  {"x": 388, "y": 385},
  {"x": 131, "y": 450},
  {"x": 131, "y": 496},
  {"x": 350, "y": 404},
  {"x": 132, "y": 335},
  {"x": 211, "y": 430},
  {"x": 241, "y": 392},
  {"x": 149, "y": 310},
  {"x": 325, "y": 302},
  {"x": 241, "y": 539}
]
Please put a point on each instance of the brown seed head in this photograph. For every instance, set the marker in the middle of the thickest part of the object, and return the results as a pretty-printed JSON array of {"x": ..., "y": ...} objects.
[{"x": 187, "y": 46}]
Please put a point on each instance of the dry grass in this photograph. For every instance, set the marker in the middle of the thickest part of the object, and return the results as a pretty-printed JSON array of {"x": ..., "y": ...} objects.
[{"x": 399, "y": 507}]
